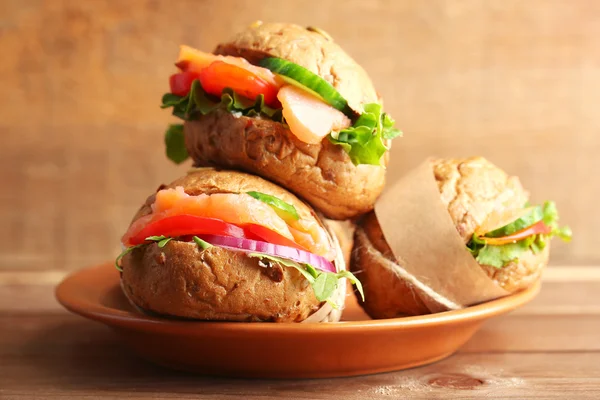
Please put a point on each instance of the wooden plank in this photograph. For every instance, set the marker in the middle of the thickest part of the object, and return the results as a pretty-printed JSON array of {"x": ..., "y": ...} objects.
[
  {"x": 537, "y": 333},
  {"x": 572, "y": 273},
  {"x": 565, "y": 297},
  {"x": 63, "y": 356},
  {"x": 82, "y": 132},
  {"x": 28, "y": 299}
]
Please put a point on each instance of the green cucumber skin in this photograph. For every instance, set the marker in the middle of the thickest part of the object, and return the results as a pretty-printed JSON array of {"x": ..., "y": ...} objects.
[
  {"x": 309, "y": 80},
  {"x": 535, "y": 216}
]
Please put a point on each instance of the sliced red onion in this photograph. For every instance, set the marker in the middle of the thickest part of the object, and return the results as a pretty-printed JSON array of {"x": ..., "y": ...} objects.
[{"x": 254, "y": 246}]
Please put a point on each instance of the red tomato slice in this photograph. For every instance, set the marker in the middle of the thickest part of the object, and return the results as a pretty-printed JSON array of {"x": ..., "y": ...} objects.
[
  {"x": 534, "y": 229},
  {"x": 269, "y": 236},
  {"x": 220, "y": 75},
  {"x": 181, "y": 225},
  {"x": 181, "y": 82},
  {"x": 191, "y": 59}
]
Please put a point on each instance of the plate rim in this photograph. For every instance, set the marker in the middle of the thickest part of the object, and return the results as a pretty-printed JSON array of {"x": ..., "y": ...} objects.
[{"x": 115, "y": 317}]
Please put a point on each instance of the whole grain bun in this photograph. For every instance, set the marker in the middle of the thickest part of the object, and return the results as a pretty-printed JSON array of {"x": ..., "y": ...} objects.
[
  {"x": 471, "y": 189},
  {"x": 183, "y": 280},
  {"x": 322, "y": 174}
]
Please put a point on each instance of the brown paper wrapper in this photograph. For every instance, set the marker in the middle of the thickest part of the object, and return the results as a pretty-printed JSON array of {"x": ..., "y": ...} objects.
[{"x": 430, "y": 253}]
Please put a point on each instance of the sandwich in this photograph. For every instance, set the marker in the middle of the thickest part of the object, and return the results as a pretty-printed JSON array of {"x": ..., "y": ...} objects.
[
  {"x": 228, "y": 246},
  {"x": 286, "y": 103},
  {"x": 506, "y": 235}
]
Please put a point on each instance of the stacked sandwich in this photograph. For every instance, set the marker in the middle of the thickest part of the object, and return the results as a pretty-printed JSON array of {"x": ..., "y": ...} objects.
[
  {"x": 286, "y": 133},
  {"x": 277, "y": 120}
]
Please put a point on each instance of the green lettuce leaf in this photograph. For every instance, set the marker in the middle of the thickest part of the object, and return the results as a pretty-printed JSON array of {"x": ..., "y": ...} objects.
[
  {"x": 160, "y": 240},
  {"x": 363, "y": 141},
  {"x": 201, "y": 243},
  {"x": 353, "y": 280},
  {"x": 198, "y": 103},
  {"x": 123, "y": 254},
  {"x": 551, "y": 219},
  {"x": 501, "y": 256},
  {"x": 175, "y": 144},
  {"x": 325, "y": 285}
]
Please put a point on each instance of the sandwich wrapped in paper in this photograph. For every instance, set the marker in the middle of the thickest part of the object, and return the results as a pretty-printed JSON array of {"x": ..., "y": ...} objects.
[{"x": 450, "y": 234}]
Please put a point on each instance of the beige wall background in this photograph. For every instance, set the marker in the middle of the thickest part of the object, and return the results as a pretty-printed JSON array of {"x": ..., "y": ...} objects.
[{"x": 81, "y": 130}]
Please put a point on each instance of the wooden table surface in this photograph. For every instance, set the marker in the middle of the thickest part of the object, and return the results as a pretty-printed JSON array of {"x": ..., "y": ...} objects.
[{"x": 548, "y": 349}]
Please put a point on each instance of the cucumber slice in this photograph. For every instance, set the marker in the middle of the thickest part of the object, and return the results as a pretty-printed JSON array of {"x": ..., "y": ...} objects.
[
  {"x": 302, "y": 77},
  {"x": 507, "y": 223}
]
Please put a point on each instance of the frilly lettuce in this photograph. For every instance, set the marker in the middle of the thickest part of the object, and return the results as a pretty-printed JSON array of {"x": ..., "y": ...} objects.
[
  {"x": 364, "y": 141},
  {"x": 501, "y": 256},
  {"x": 175, "y": 144}
]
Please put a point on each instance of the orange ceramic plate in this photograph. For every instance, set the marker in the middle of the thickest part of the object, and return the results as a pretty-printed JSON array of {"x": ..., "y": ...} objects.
[{"x": 356, "y": 346}]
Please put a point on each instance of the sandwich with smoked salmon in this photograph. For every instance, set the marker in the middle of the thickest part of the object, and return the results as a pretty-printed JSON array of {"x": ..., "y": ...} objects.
[
  {"x": 225, "y": 245},
  {"x": 508, "y": 237},
  {"x": 286, "y": 103}
]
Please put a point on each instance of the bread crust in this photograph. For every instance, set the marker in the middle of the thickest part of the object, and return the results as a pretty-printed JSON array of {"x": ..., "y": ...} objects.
[
  {"x": 322, "y": 174},
  {"x": 471, "y": 189}
]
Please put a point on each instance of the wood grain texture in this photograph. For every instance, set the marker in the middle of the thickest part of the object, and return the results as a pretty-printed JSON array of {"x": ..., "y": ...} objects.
[
  {"x": 63, "y": 356},
  {"x": 538, "y": 351},
  {"x": 518, "y": 82}
]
